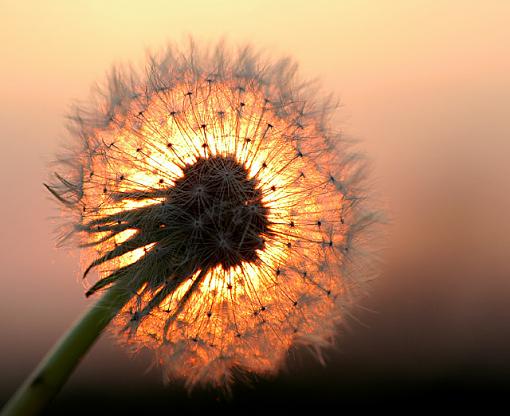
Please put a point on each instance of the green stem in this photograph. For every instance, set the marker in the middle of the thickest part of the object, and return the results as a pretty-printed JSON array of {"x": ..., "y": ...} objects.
[{"x": 53, "y": 371}]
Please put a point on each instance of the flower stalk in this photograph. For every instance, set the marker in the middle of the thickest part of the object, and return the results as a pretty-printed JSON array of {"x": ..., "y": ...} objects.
[{"x": 50, "y": 375}]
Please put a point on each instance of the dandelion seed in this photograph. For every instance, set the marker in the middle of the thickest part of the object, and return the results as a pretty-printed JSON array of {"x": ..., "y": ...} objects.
[{"x": 215, "y": 189}]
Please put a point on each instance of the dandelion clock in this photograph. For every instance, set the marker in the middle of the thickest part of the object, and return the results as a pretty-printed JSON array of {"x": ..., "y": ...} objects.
[{"x": 220, "y": 213}]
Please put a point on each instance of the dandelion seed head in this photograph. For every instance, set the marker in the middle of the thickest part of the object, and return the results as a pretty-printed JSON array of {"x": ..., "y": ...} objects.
[{"x": 215, "y": 188}]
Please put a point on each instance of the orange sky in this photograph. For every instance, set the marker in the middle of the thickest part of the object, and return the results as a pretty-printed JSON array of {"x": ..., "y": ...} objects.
[{"x": 425, "y": 86}]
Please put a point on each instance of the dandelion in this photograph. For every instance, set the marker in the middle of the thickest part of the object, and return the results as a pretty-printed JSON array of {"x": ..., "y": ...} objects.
[{"x": 212, "y": 192}]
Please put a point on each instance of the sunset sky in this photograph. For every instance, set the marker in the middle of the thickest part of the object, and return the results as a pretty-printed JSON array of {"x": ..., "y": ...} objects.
[{"x": 424, "y": 87}]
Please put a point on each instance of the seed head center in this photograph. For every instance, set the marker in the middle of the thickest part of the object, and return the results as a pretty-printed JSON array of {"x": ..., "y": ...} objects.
[{"x": 223, "y": 217}]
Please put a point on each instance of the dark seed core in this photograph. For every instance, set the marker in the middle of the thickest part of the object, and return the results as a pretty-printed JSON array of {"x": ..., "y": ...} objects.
[{"x": 222, "y": 213}]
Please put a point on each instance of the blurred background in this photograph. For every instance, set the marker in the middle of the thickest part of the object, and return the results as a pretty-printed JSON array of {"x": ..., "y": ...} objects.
[{"x": 424, "y": 85}]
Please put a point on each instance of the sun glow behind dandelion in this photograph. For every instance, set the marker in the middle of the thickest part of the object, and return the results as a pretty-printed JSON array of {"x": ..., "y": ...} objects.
[{"x": 217, "y": 190}]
